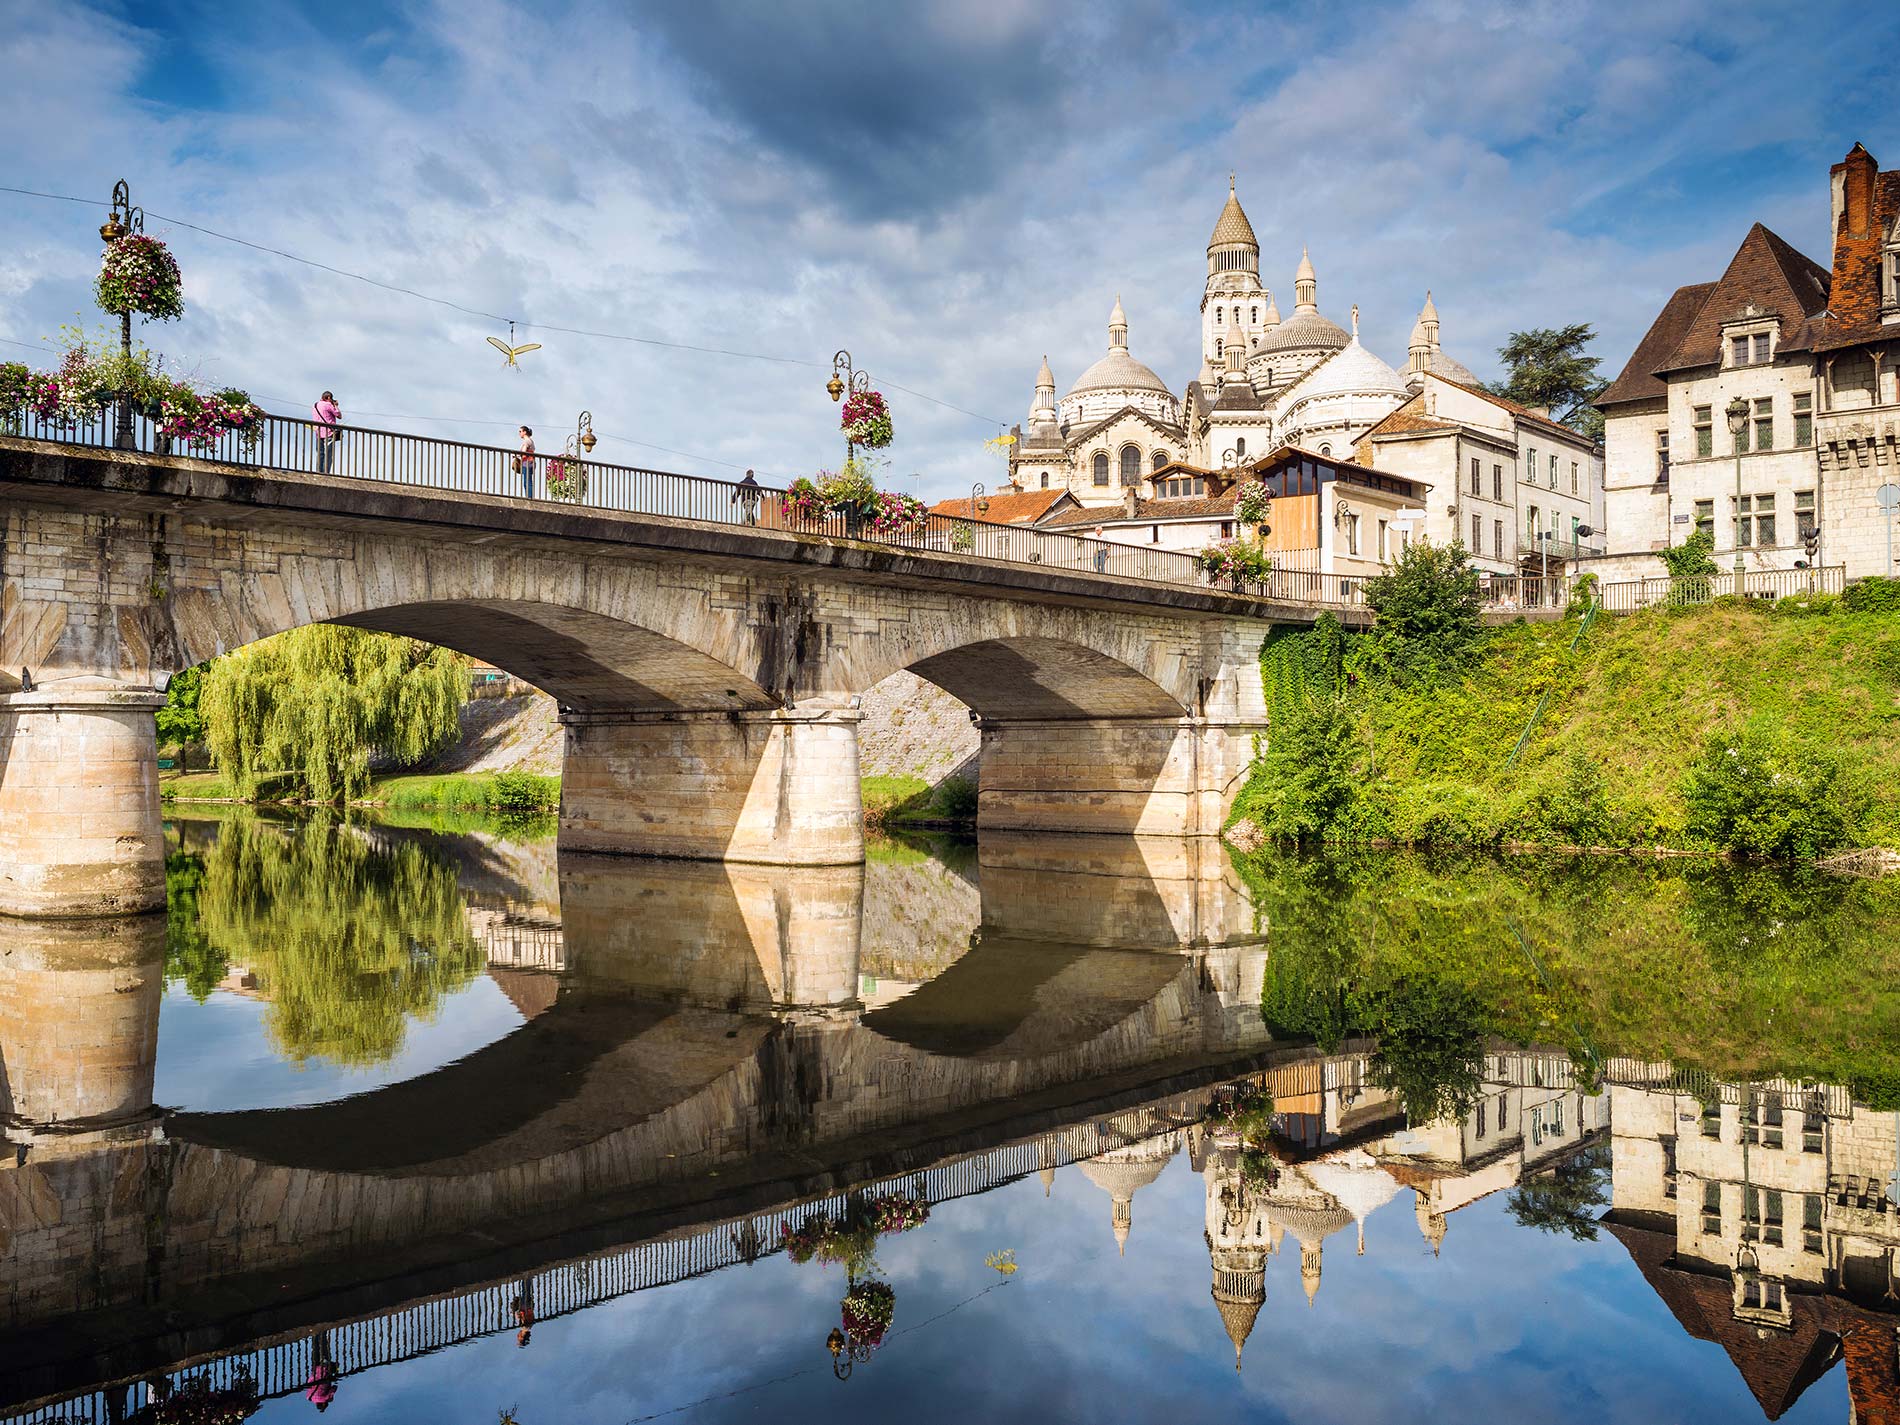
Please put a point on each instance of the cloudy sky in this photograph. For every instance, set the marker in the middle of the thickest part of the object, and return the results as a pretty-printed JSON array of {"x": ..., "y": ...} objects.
[{"x": 950, "y": 188}]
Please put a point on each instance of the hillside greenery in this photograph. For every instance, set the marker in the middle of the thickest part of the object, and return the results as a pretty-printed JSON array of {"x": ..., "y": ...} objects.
[{"x": 1761, "y": 729}]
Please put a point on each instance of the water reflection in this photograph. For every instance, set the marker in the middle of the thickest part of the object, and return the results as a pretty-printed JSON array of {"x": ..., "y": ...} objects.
[{"x": 1296, "y": 1097}]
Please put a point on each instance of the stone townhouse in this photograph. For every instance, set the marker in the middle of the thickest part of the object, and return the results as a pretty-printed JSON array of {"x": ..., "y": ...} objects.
[{"x": 1810, "y": 352}]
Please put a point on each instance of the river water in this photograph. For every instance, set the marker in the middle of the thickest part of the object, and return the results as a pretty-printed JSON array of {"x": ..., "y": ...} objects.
[{"x": 407, "y": 1124}]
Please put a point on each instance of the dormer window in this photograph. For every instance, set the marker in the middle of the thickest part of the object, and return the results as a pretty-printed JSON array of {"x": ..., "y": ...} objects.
[{"x": 1751, "y": 349}]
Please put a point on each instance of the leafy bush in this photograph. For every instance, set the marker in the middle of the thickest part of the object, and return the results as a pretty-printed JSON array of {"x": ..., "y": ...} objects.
[
  {"x": 1440, "y": 814},
  {"x": 1428, "y": 606},
  {"x": 1305, "y": 776},
  {"x": 1694, "y": 556},
  {"x": 525, "y": 794},
  {"x": 955, "y": 799},
  {"x": 1569, "y": 808},
  {"x": 1761, "y": 793},
  {"x": 1583, "y": 593},
  {"x": 1872, "y": 596},
  {"x": 1807, "y": 605}
]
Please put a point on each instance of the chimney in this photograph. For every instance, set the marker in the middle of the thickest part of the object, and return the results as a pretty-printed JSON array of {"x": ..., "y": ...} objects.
[
  {"x": 1128, "y": 502},
  {"x": 1852, "y": 184}
]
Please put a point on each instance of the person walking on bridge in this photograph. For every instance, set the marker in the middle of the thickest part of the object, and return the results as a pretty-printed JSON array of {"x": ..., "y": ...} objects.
[
  {"x": 328, "y": 415},
  {"x": 746, "y": 496},
  {"x": 524, "y": 463}
]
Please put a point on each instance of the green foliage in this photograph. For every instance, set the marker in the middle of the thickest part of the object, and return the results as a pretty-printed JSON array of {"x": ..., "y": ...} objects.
[
  {"x": 1241, "y": 560},
  {"x": 1429, "y": 608},
  {"x": 1759, "y": 792},
  {"x": 525, "y": 794},
  {"x": 1304, "y": 779},
  {"x": 895, "y": 801},
  {"x": 349, "y": 939},
  {"x": 1566, "y": 1199},
  {"x": 1872, "y": 596},
  {"x": 1431, "y": 1033},
  {"x": 1807, "y": 605},
  {"x": 317, "y": 702},
  {"x": 1693, "y": 558},
  {"x": 179, "y": 720},
  {"x": 1583, "y": 593},
  {"x": 1549, "y": 371},
  {"x": 189, "y": 954},
  {"x": 1569, "y": 806}
]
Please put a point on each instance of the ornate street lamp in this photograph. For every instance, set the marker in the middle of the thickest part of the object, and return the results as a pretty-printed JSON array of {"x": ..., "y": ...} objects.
[
  {"x": 979, "y": 500},
  {"x": 845, "y": 377},
  {"x": 1737, "y": 413},
  {"x": 846, "y": 1351},
  {"x": 584, "y": 438},
  {"x": 124, "y": 218}
]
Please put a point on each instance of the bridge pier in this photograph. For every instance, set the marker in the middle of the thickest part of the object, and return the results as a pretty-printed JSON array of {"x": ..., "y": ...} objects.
[
  {"x": 1112, "y": 776},
  {"x": 774, "y": 788},
  {"x": 79, "y": 821}
]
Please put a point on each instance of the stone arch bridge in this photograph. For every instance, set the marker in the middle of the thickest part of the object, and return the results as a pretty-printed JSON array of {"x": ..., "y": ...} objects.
[{"x": 708, "y": 672}]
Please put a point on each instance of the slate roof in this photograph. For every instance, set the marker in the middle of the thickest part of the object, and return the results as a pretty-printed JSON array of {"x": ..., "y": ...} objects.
[{"x": 1767, "y": 272}]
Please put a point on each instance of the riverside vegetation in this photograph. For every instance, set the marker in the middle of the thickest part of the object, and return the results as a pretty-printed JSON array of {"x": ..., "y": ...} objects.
[{"x": 1739, "y": 726}]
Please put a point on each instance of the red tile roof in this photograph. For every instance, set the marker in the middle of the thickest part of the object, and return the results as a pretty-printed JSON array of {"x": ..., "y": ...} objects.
[
  {"x": 1008, "y": 507},
  {"x": 1219, "y": 506}
]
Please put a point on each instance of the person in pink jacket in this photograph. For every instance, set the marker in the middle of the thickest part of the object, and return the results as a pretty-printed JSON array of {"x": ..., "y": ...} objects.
[{"x": 328, "y": 415}]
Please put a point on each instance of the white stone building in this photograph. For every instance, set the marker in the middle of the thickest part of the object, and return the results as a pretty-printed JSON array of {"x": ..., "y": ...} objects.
[
  {"x": 1812, "y": 352},
  {"x": 1121, "y": 438}
]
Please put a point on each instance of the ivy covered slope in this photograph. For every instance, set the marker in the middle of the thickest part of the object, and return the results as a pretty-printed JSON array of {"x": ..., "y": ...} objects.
[{"x": 1740, "y": 727}]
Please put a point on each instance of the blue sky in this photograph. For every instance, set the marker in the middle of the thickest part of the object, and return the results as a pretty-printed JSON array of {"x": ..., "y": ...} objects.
[{"x": 948, "y": 188}]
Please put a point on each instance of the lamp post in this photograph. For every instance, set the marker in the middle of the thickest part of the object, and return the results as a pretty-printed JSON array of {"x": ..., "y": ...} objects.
[
  {"x": 979, "y": 501},
  {"x": 845, "y": 377},
  {"x": 584, "y": 438},
  {"x": 123, "y": 219},
  {"x": 1737, "y": 413}
]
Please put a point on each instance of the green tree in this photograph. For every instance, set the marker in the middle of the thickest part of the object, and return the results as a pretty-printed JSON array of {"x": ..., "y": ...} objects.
[
  {"x": 1565, "y": 1199},
  {"x": 1549, "y": 371},
  {"x": 1428, "y": 607},
  {"x": 179, "y": 720},
  {"x": 315, "y": 703}
]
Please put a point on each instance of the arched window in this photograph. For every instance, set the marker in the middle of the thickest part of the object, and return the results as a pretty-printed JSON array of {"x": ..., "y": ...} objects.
[
  {"x": 1160, "y": 459},
  {"x": 1220, "y": 316},
  {"x": 1131, "y": 467},
  {"x": 1101, "y": 467},
  {"x": 1218, "y": 353},
  {"x": 1240, "y": 446},
  {"x": 1255, "y": 317},
  {"x": 1326, "y": 450},
  {"x": 1045, "y": 479}
]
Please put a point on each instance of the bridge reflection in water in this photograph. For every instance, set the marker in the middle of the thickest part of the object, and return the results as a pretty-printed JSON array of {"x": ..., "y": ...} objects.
[
  {"x": 709, "y": 1052},
  {"x": 714, "y": 1055}
]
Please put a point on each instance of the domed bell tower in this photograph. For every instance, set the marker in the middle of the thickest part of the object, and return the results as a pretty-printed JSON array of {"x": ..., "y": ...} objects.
[{"x": 1235, "y": 308}]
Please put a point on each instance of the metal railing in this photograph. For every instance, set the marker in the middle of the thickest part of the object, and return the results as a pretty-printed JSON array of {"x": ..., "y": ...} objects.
[
  {"x": 1524, "y": 591},
  {"x": 360, "y": 453},
  {"x": 1629, "y": 596}
]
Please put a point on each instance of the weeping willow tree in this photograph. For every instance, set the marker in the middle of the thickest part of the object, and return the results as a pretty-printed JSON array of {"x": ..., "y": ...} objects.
[
  {"x": 316, "y": 703},
  {"x": 349, "y": 939}
]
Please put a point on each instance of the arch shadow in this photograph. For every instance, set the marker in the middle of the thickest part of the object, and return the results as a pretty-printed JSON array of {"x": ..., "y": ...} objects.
[{"x": 1045, "y": 678}]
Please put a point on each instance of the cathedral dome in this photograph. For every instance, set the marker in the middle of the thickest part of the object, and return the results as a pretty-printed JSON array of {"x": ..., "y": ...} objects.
[
  {"x": 1304, "y": 331},
  {"x": 1118, "y": 371},
  {"x": 1451, "y": 368},
  {"x": 1353, "y": 372}
]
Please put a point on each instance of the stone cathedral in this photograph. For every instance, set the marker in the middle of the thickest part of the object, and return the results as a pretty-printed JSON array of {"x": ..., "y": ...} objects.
[{"x": 1265, "y": 381}]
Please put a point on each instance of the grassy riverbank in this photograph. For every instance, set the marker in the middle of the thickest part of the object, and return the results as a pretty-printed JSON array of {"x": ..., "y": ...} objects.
[
  {"x": 499, "y": 793},
  {"x": 1625, "y": 727}
]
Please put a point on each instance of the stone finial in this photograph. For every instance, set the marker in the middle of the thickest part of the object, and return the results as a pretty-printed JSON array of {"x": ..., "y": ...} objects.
[{"x": 1118, "y": 327}]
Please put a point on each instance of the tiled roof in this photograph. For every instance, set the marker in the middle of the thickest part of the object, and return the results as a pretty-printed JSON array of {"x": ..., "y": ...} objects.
[
  {"x": 1765, "y": 272},
  {"x": 1408, "y": 421},
  {"x": 1010, "y": 507},
  {"x": 1639, "y": 381},
  {"x": 1219, "y": 506},
  {"x": 1518, "y": 409}
]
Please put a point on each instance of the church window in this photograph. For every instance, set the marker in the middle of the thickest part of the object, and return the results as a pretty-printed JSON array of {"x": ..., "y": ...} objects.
[
  {"x": 1240, "y": 446},
  {"x": 1045, "y": 479},
  {"x": 1218, "y": 353},
  {"x": 1160, "y": 459},
  {"x": 1326, "y": 449},
  {"x": 1101, "y": 468},
  {"x": 1131, "y": 467},
  {"x": 1220, "y": 316},
  {"x": 1253, "y": 315}
]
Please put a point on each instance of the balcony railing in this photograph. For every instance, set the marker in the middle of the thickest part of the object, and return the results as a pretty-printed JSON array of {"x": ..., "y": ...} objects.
[
  {"x": 1689, "y": 590},
  {"x": 389, "y": 457}
]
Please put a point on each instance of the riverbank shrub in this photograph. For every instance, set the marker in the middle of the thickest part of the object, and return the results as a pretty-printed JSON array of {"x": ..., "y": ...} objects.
[
  {"x": 1428, "y": 609},
  {"x": 1872, "y": 596},
  {"x": 1758, "y": 792}
]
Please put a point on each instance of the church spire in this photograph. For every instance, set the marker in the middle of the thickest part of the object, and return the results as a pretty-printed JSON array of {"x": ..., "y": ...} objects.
[
  {"x": 1428, "y": 319},
  {"x": 1305, "y": 285},
  {"x": 1044, "y": 406},
  {"x": 1118, "y": 327}
]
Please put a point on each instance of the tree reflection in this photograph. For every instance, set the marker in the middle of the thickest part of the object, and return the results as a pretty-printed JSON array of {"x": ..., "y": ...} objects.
[
  {"x": 1568, "y": 1199},
  {"x": 347, "y": 937}
]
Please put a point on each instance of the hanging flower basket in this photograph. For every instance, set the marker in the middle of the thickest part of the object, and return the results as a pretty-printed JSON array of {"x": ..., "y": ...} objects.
[
  {"x": 867, "y": 420},
  {"x": 898, "y": 516},
  {"x": 567, "y": 479},
  {"x": 804, "y": 504},
  {"x": 16, "y": 385},
  {"x": 1254, "y": 503},
  {"x": 195, "y": 1402},
  {"x": 234, "y": 410},
  {"x": 139, "y": 275},
  {"x": 1239, "y": 560},
  {"x": 867, "y": 1311},
  {"x": 851, "y": 1239}
]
